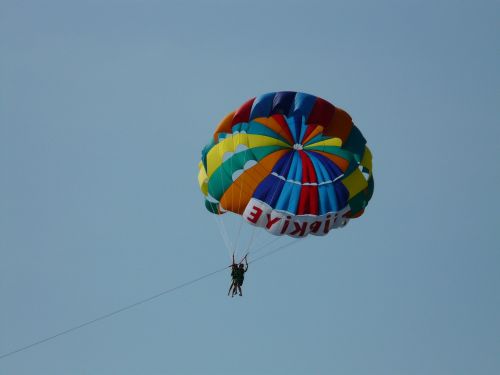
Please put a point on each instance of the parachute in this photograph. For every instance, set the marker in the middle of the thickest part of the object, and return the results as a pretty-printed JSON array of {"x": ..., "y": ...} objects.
[{"x": 288, "y": 162}]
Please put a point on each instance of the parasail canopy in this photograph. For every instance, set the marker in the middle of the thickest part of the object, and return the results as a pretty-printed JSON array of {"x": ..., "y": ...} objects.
[{"x": 289, "y": 162}]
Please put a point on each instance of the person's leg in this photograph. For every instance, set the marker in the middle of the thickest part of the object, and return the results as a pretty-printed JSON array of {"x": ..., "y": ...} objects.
[{"x": 230, "y": 287}]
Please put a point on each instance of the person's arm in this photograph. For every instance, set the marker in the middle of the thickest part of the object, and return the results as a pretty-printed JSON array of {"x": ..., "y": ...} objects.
[{"x": 246, "y": 264}]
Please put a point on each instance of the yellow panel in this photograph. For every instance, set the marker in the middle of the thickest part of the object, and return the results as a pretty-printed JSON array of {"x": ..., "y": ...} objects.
[
  {"x": 355, "y": 182},
  {"x": 214, "y": 156},
  {"x": 202, "y": 179},
  {"x": 327, "y": 142},
  {"x": 367, "y": 159}
]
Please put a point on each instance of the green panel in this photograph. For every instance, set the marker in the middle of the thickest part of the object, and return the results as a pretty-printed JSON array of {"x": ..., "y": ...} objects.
[
  {"x": 358, "y": 202},
  {"x": 221, "y": 179},
  {"x": 218, "y": 183},
  {"x": 355, "y": 143},
  {"x": 317, "y": 138},
  {"x": 334, "y": 150},
  {"x": 370, "y": 188},
  {"x": 257, "y": 128},
  {"x": 205, "y": 151},
  {"x": 212, "y": 207}
]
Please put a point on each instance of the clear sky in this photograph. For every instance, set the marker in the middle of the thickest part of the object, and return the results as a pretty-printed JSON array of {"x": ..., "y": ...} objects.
[{"x": 104, "y": 108}]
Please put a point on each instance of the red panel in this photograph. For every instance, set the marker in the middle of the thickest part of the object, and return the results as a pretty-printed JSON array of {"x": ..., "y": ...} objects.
[
  {"x": 339, "y": 126},
  {"x": 321, "y": 113},
  {"x": 308, "y": 201},
  {"x": 243, "y": 113},
  {"x": 280, "y": 119}
]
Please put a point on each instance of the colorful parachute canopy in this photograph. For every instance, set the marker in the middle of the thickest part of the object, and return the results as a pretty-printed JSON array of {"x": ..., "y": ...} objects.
[{"x": 289, "y": 162}]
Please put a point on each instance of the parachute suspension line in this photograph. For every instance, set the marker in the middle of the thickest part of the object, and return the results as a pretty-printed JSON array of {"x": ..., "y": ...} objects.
[
  {"x": 223, "y": 233},
  {"x": 226, "y": 234},
  {"x": 260, "y": 233},
  {"x": 252, "y": 237},
  {"x": 237, "y": 239},
  {"x": 288, "y": 163},
  {"x": 248, "y": 249},
  {"x": 246, "y": 152},
  {"x": 232, "y": 172},
  {"x": 232, "y": 245},
  {"x": 280, "y": 248},
  {"x": 222, "y": 227},
  {"x": 235, "y": 244},
  {"x": 262, "y": 247},
  {"x": 272, "y": 198},
  {"x": 271, "y": 245}
]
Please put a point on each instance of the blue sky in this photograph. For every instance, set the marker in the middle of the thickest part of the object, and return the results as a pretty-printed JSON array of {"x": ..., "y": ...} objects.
[{"x": 104, "y": 109}]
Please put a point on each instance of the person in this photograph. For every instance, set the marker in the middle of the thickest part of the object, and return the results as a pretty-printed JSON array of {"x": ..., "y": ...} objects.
[
  {"x": 234, "y": 271},
  {"x": 238, "y": 276}
]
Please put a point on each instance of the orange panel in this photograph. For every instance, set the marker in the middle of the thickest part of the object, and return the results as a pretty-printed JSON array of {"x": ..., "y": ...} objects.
[
  {"x": 272, "y": 124},
  {"x": 236, "y": 197},
  {"x": 317, "y": 130},
  {"x": 224, "y": 126}
]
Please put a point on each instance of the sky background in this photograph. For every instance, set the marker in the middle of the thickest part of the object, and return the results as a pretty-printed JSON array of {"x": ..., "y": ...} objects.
[{"x": 104, "y": 109}]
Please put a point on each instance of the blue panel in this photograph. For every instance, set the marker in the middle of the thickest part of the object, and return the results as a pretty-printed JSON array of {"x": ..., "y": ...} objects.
[
  {"x": 289, "y": 197},
  {"x": 294, "y": 174},
  {"x": 342, "y": 194},
  {"x": 284, "y": 197},
  {"x": 275, "y": 191},
  {"x": 293, "y": 202},
  {"x": 322, "y": 200},
  {"x": 283, "y": 164},
  {"x": 262, "y": 189},
  {"x": 331, "y": 167},
  {"x": 295, "y": 171},
  {"x": 304, "y": 103},
  {"x": 303, "y": 129},
  {"x": 331, "y": 197},
  {"x": 293, "y": 129},
  {"x": 297, "y": 123},
  {"x": 328, "y": 201},
  {"x": 333, "y": 204},
  {"x": 262, "y": 106},
  {"x": 269, "y": 190},
  {"x": 333, "y": 170},
  {"x": 321, "y": 173},
  {"x": 283, "y": 103}
]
